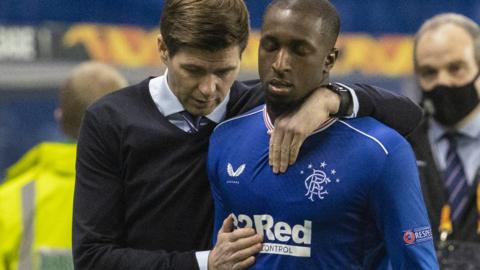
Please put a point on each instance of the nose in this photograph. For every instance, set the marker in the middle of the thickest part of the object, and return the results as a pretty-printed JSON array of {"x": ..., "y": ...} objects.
[
  {"x": 207, "y": 85},
  {"x": 444, "y": 78},
  {"x": 282, "y": 62}
]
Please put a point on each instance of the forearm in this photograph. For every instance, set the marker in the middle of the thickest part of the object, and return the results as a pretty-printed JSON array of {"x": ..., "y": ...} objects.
[
  {"x": 99, "y": 234},
  {"x": 396, "y": 111},
  {"x": 401, "y": 214}
]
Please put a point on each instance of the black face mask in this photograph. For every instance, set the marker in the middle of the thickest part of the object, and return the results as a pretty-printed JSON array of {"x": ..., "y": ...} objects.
[{"x": 451, "y": 104}]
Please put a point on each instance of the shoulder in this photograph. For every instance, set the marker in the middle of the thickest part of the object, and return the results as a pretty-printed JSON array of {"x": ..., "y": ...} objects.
[
  {"x": 119, "y": 105},
  {"x": 244, "y": 95},
  {"x": 374, "y": 133},
  {"x": 241, "y": 120},
  {"x": 242, "y": 87},
  {"x": 122, "y": 99},
  {"x": 46, "y": 158}
]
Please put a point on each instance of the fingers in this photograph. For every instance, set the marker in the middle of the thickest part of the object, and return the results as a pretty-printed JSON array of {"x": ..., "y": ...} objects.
[
  {"x": 244, "y": 264},
  {"x": 245, "y": 257},
  {"x": 245, "y": 248},
  {"x": 276, "y": 140},
  {"x": 285, "y": 143},
  {"x": 227, "y": 225},
  {"x": 234, "y": 250},
  {"x": 295, "y": 145},
  {"x": 285, "y": 149},
  {"x": 245, "y": 242},
  {"x": 241, "y": 233}
]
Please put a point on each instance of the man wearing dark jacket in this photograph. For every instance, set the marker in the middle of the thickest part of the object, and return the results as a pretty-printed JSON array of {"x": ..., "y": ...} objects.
[
  {"x": 447, "y": 144},
  {"x": 142, "y": 197}
]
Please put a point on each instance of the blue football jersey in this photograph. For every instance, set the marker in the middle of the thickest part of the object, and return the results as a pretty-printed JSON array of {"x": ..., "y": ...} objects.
[{"x": 351, "y": 201}]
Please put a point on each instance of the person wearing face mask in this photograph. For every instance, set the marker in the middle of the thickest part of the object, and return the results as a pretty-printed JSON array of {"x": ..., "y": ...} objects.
[{"x": 447, "y": 144}]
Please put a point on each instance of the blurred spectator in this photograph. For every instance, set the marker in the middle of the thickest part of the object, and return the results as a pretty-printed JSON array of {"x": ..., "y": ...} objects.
[
  {"x": 447, "y": 144},
  {"x": 37, "y": 196}
]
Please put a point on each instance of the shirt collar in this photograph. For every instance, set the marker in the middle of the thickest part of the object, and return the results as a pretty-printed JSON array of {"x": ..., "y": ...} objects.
[
  {"x": 168, "y": 104},
  {"x": 470, "y": 129}
]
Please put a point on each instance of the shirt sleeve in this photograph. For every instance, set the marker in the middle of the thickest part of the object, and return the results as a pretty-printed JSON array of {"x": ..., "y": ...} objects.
[
  {"x": 202, "y": 259},
  {"x": 99, "y": 229},
  {"x": 400, "y": 213},
  {"x": 355, "y": 104},
  {"x": 395, "y": 111}
]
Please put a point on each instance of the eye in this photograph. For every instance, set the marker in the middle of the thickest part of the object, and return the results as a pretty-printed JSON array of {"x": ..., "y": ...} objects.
[
  {"x": 193, "y": 70},
  {"x": 300, "y": 49},
  {"x": 222, "y": 73},
  {"x": 454, "y": 68},
  {"x": 268, "y": 44},
  {"x": 428, "y": 73}
]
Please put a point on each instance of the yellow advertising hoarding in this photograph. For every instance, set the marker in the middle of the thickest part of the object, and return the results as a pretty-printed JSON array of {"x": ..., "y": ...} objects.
[{"x": 134, "y": 47}]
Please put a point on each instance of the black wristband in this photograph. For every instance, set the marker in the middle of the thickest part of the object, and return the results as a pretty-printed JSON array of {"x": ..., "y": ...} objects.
[{"x": 345, "y": 99}]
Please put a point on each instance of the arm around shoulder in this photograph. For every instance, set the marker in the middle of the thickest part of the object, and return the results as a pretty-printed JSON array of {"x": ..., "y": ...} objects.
[{"x": 396, "y": 111}]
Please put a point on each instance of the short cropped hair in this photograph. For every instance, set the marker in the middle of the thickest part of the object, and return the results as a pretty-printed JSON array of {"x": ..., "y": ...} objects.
[
  {"x": 459, "y": 20},
  {"x": 88, "y": 82},
  {"x": 319, "y": 8},
  {"x": 211, "y": 25}
]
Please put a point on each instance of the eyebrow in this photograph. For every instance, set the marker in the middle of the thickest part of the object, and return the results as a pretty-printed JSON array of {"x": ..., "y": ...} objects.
[
  {"x": 455, "y": 62},
  {"x": 222, "y": 69},
  {"x": 292, "y": 41}
]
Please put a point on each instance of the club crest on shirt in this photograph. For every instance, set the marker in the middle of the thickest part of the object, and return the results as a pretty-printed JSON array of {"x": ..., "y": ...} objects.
[{"x": 316, "y": 182}]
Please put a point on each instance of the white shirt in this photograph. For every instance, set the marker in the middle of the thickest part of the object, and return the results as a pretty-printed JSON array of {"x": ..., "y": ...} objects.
[
  {"x": 167, "y": 103},
  {"x": 468, "y": 146}
]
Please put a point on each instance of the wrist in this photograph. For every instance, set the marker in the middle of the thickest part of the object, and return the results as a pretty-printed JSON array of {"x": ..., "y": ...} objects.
[{"x": 343, "y": 99}]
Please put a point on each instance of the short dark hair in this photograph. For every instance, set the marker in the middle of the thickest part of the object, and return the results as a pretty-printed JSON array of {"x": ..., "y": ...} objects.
[
  {"x": 459, "y": 20},
  {"x": 320, "y": 8},
  {"x": 211, "y": 25}
]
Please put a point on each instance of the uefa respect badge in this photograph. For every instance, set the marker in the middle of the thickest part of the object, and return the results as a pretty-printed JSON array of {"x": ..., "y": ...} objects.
[{"x": 417, "y": 235}]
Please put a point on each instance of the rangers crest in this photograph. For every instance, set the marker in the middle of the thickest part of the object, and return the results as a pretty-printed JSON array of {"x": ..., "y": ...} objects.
[{"x": 316, "y": 183}]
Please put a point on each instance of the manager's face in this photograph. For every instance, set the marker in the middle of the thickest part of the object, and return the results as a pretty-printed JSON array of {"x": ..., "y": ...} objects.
[
  {"x": 200, "y": 78},
  {"x": 293, "y": 55}
]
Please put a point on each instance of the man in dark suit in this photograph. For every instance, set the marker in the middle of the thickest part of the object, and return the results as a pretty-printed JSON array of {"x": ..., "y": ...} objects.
[{"x": 447, "y": 144}]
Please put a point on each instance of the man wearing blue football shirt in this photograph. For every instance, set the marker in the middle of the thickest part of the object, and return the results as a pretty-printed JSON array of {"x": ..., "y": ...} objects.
[{"x": 352, "y": 200}]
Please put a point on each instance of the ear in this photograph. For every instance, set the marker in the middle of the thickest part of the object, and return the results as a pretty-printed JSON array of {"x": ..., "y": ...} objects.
[
  {"x": 330, "y": 60},
  {"x": 162, "y": 48}
]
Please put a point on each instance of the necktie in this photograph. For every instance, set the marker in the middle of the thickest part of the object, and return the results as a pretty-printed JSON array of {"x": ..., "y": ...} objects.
[
  {"x": 455, "y": 178},
  {"x": 194, "y": 122}
]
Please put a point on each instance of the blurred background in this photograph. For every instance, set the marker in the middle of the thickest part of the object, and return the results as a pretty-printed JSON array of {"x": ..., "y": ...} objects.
[{"x": 41, "y": 40}]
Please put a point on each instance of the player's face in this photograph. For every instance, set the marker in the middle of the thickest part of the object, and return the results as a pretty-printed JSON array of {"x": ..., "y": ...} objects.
[
  {"x": 201, "y": 79},
  {"x": 445, "y": 56},
  {"x": 292, "y": 56}
]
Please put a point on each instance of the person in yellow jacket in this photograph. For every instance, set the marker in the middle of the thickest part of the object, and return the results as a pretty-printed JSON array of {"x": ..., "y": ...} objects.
[{"x": 36, "y": 198}]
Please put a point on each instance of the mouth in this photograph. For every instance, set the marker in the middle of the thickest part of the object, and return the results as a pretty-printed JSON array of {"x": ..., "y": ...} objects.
[
  {"x": 279, "y": 87},
  {"x": 202, "y": 101}
]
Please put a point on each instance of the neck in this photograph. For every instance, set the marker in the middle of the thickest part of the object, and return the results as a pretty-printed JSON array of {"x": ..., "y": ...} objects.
[
  {"x": 468, "y": 118},
  {"x": 276, "y": 110}
]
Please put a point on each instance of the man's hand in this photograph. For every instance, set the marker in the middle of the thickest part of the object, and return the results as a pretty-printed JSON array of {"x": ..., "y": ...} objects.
[
  {"x": 291, "y": 130},
  {"x": 234, "y": 250}
]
